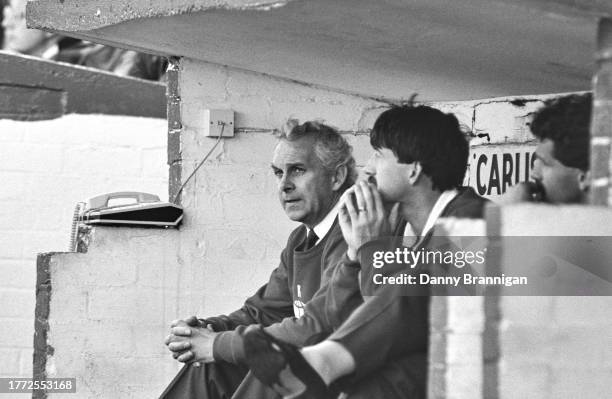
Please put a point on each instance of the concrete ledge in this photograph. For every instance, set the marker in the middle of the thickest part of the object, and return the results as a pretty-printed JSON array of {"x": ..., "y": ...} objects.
[
  {"x": 31, "y": 103},
  {"x": 442, "y": 50},
  {"x": 530, "y": 342},
  {"x": 101, "y": 316},
  {"x": 552, "y": 220},
  {"x": 49, "y": 89},
  {"x": 76, "y": 15}
]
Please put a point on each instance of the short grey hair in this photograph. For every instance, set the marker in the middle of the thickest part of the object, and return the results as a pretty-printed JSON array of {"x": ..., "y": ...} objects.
[{"x": 330, "y": 147}]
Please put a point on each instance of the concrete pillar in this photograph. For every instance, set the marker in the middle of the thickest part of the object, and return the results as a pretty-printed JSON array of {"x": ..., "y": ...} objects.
[{"x": 601, "y": 125}]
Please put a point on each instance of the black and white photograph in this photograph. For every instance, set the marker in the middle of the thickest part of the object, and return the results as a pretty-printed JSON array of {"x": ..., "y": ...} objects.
[{"x": 313, "y": 199}]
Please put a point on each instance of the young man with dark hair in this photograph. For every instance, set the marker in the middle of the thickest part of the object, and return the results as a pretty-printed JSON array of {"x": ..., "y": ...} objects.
[
  {"x": 415, "y": 173},
  {"x": 560, "y": 171}
]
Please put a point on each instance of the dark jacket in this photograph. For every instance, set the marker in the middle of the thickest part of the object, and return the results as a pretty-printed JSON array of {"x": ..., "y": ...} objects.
[
  {"x": 273, "y": 304},
  {"x": 393, "y": 346}
]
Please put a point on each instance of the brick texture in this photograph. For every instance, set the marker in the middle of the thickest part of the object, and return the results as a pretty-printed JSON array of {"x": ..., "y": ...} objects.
[
  {"x": 10, "y": 362},
  {"x": 556, "y": 346},
  {"x": 47, "y": 167}
]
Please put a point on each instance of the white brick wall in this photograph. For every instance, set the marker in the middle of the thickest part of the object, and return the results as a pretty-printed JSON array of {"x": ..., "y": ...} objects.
[
  {"x": 109, "y": 314},
  {"x": 47, "y": 167},
  {"x": 554, "y": 356},
  {"x": 555, "y": 347}
]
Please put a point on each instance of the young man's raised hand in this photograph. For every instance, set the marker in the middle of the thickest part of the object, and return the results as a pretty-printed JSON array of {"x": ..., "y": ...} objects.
[{"x": 363, "y": 216}]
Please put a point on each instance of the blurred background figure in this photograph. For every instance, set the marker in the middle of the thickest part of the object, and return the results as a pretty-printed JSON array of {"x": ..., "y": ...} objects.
[{"x": 17, "y": 38}]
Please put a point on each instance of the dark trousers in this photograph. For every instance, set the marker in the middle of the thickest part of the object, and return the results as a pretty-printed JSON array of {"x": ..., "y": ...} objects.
[
  {"x": 403, "y": 378},
  {"x": 209, "y": 381},
  {"x": 251, "y": 388},
  {"x": 385, "y": 328}
]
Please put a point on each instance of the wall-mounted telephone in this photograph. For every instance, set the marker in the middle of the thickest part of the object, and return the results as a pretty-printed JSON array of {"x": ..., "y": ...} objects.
[{"x": 125, "y": 208}]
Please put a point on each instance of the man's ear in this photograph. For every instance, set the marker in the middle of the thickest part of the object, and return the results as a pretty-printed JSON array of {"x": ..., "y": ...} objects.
[
  {"x": 584, "y": 181},
  {"x": 415, "y": 173},
  {"x": 339, "y": 177}
]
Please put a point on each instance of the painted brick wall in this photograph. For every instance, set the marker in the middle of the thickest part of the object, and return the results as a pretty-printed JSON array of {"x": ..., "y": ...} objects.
[
  {"x": 456, "y": 332},
  {"x": 109, "y": 311},
  {"x": 47, "y": 166},
  {"x": 561, "y": 346}
]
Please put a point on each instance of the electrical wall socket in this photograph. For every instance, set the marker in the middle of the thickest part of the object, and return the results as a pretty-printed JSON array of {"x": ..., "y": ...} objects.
[{"x": 216, "y": 120}]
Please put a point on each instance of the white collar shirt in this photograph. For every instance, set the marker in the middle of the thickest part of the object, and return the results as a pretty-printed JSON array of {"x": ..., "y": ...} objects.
[
  {"x": 443, "y": 200},
  {"x": 325, "y": 225}
]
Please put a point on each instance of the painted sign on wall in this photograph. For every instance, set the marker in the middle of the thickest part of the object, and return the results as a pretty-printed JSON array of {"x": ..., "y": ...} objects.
[{"x": 493, "y": 169}]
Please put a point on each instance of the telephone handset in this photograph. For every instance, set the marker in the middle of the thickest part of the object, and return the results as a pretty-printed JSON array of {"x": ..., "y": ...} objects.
[{"x": 120, "y": 198}]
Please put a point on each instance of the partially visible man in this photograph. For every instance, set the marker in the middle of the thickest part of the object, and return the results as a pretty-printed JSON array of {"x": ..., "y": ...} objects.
[
  {"x": 19, "y": 39},
  {"x": 313, "y": 166},
  {"x": 420, "y": 158},
  {"x": 560, "y": 171}
]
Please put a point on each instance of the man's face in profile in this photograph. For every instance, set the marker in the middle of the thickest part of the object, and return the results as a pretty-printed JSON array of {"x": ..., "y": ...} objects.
[
  {"x": 388, "y": 174},
  {"x": 305, "y": 187},
  {"x": 561, "y": 183}
]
